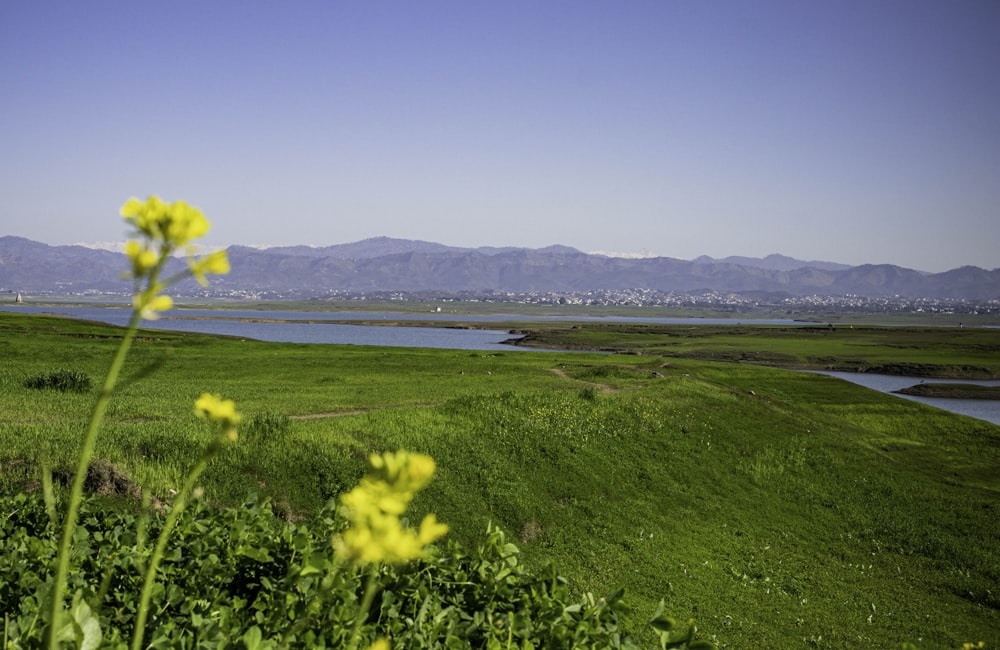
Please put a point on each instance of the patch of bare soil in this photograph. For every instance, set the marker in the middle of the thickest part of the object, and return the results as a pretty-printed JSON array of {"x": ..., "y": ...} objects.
[
  {"x": 105, "y": 479},
  {"x": 341, "y": 414},
  {"x": 331, "y": 414},
  {"x": 604, "y": 388}
]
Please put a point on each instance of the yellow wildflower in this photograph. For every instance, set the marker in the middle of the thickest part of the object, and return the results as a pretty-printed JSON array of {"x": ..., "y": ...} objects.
[
  {"x": 376, "y": 533},
  {"x": 143, "y": 259},
  {"x": 145, "y": 216},
  {"x": 150, "y": 305},
  {"x": 186, "y": 223},
  {"x": 371, "y": 495},
  {"x": 406, "y": 471},
  {"x": 216, "y": 263},
  {"x": 214, "y": 409},
  {"x": 381, "y": 644},
  {"x": 172, "y": 225},
  {"x": 431, "y": 530}
]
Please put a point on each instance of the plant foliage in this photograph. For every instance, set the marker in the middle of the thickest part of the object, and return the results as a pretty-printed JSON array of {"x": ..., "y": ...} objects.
[
  {"x": 242, "y": 574},
  {"x": 62, "y": 380}
]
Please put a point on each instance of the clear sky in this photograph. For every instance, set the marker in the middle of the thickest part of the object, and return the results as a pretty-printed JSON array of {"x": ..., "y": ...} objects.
[{"x": 856, "y": 131}]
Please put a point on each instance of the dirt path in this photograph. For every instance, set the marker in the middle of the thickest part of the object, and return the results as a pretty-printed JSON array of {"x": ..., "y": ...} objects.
[
  {"x": 604, "y": 388},
  {"x": 341, "y": 414},
  {"x": 332, "y": 414}
]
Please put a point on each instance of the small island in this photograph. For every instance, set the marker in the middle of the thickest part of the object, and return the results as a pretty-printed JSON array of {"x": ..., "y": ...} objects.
[{"x": 952, "y": 391}]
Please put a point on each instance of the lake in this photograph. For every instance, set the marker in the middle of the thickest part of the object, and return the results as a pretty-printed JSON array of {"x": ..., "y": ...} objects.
[
  {"x": 293, "y": 327},
  {"x": 983, "y": 409}
]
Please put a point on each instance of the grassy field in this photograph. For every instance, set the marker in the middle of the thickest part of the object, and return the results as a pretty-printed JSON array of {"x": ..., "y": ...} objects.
[
  {"x": 972, "y": 353},
  {"x": 779, "y": 509},
  {"x": 953, "y": 391}
]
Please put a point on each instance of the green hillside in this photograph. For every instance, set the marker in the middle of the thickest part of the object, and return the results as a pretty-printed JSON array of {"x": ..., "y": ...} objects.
[{"x": 777, "y": 508}]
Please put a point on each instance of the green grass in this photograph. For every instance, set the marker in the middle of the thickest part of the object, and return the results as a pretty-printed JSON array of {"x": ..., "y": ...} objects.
[
  {"x": 952, "y": 391},
  {"x": 919, "y": 351},
  {"x": 777, "y": 508}
]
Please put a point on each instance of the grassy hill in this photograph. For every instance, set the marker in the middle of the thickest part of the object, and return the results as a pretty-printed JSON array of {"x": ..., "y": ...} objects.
[{"x": 779, "y": 509}]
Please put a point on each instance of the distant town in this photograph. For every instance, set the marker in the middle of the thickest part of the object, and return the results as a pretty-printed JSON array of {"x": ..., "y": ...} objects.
[
  {"x": 737, "y": 303},
  {"x": 715, "y": 300}
]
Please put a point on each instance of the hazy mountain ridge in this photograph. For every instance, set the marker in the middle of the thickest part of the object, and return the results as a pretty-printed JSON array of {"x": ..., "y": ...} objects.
[
  {"x": 386, "y": 264},
  {"x": 774, "y": 262},
  {"x": 381, "y": 247}
]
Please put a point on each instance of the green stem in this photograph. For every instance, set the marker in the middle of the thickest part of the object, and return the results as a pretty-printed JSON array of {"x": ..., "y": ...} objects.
[
  {"x": 321, "y": 592},
  {"x": 366, "y": 603},
  {"x": 161, "y": 543},
  {"x": 76, "y": 492}
]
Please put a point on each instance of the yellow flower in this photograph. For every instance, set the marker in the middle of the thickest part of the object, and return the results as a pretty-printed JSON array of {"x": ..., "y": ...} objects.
[
  {"x": 381, "y": 644},
  {"x": 172, "y": 225},
  {"x": 216, "y": 263},
  {"x": 185, "y": 224},
  {"x": 150, "y": 305},
  {"x": 212, "y": 408},
  {"x": 419, "y": 470},
  {"x": 408, "y": 472},
  {"x": 144, "y": 216},
  {"x": 143, "y": 259},
  {"x": 431, "y": 530},
  {"x": 374, "y": 506},
  {"x": 165, "y": 228},
  {"x": 376, "y": 495},
  {"x": 379, "y": 539}
]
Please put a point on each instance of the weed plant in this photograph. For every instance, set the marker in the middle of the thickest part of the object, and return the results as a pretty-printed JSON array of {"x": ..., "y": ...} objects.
[
  {"x": 265, "y": 428},
  {"x": 61, "y": 380}
]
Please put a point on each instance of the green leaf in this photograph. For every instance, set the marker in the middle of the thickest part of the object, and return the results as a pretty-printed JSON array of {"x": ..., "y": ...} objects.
[
  {"x": 259, "y": 554},
  {"x": 316, "y": 564},
  {"x": 83, "y": 626},
  {"x": 252, "y": 638},
  {"x": 702, "y": 645},
  {"x": 663, "y": 624}
]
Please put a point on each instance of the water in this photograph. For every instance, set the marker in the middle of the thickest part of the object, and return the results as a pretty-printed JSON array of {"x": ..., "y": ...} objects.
[
  {"x": 294, "y": 327},
  {"x": 983, "y": 409},
  {"x": 302, "y": 326}
]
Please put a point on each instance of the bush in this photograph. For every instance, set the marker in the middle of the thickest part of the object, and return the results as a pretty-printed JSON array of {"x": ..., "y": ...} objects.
[
  {"x": 266, "y": 427},
  {"x": 239, "y": 574},
  {"x": 66, "y": 381}
]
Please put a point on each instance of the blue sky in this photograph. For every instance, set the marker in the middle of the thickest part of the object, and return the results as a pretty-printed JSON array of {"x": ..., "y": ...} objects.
[{"x": 855, "y": 131}]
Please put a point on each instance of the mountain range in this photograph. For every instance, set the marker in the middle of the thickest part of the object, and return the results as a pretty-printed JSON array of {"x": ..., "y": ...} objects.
[{"x": 385, "y": 264}]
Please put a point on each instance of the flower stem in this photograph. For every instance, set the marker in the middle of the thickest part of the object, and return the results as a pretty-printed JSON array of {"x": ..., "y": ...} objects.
[
  {"x": 371, "y": 587},
  {"x": 180, "y": 502},
  {"x": 76, "y": 492}
]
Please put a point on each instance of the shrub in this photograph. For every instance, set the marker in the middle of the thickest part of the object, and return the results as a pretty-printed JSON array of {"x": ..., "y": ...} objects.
[
  {"x": 257, "y": 577},
  {"x": 66, "y": 381},
  {"x": 262, "y": 428}
]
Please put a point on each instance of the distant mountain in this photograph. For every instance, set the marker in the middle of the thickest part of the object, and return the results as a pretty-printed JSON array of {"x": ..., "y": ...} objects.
[
  {"x": 385, "y": 264},
  {"x": 773, "y": 262},
  {"x": 382, "y": 246}
]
